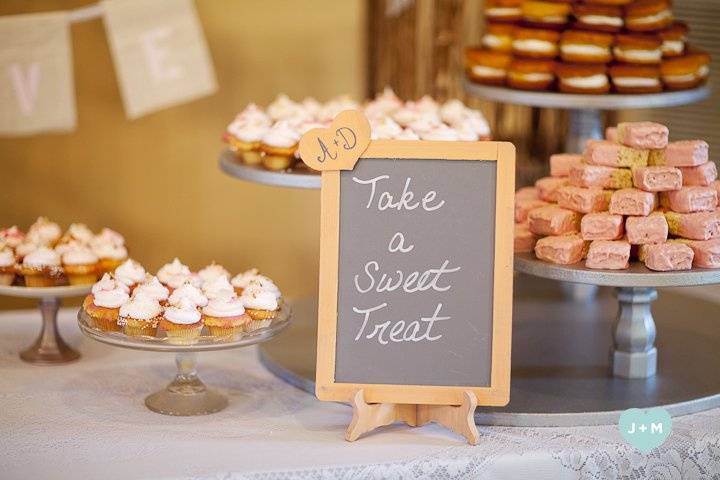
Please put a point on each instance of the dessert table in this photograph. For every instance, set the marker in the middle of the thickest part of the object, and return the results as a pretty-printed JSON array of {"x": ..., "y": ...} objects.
[{"x": 87, "y": 420}]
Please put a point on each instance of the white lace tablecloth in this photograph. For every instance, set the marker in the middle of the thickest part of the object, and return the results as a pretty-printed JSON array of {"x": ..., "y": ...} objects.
[{"x": 87, "y": 420}]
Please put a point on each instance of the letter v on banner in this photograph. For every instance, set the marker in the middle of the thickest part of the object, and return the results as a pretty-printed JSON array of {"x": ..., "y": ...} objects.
[
  {"x": 159, "y": 52},
  {"x": 36, "y": 76}
]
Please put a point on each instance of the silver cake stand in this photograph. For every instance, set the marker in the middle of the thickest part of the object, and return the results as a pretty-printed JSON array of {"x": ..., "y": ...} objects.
[
  {"x": 186, "y": 395},
  {"x": 295, "y": 178},
  {"x": 49, "y": 348},
  {"x": 585, "y": 120}
]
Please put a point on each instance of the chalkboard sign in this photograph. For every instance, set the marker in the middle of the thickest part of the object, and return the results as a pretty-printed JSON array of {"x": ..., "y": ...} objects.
[{"x": 415, "y": 267}]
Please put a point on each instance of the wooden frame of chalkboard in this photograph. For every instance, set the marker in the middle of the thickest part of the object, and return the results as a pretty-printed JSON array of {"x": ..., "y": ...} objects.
[{"x": 498, "y": 391}]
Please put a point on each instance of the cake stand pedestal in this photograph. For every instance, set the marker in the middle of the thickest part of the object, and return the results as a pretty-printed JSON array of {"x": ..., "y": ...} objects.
[
  {"x": 186, "y": 395},
  {"x": 585, "y": 119},
  {"x": 295, "y": 178},
  {"x": 634, "y": 354},
  {"x": 49, "y": 348}
]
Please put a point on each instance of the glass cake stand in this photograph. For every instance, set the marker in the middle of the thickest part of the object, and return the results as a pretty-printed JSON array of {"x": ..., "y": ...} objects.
[
  {"x": 49, "y": 348},
  {"x": 186, "y": 395},
  {"x": 258, "y": 174}
]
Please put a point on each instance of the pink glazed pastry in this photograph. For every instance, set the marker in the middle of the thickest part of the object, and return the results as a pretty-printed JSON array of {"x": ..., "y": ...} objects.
[
  {"x": 645, "y": 230},
  {"x": 523, "y": 207},
  {"x": 561, "y": 163},
  {"x": 601, "y": 226},
  {"x": 600, "y": 176},
  {"x": 527, "y": 193},
  {"x": 631, "y": 201},
  {"x": 707, "y": 253},
  {"x": 643, "y": 135},
  {"x": 683, "y": 153},
  {"x": 524, "y": 238},
  {"x": 666, "y": 257},
  {"x": 563, "y": 250},
  {"x": 611, "y": 154},
  {"x": 657, "y": 179},
  {"x": 702, "y": 175},
  {"x": 583, "y": 200},
  {"x": 548, "y": 187},
  {"x": 694, "y": 226},
  {"x": 553, "y": 220},
  {"x": 692, "y": 199},
  {"x": 608, "y": 255}
]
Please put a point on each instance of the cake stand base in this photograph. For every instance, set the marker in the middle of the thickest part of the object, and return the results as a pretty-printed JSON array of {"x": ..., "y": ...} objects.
[
  {"x": 561, "y": 370},
  {"x": 49, "y": 348},
  {"x": 187, "y": 395}
]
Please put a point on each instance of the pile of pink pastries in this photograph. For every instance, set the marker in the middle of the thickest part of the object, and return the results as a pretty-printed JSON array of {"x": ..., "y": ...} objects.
[{"x": 631, "y": 196}]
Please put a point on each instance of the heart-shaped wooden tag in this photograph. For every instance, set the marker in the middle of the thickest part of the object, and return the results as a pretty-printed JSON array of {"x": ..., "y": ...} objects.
[{"x": 337, "y": 147}]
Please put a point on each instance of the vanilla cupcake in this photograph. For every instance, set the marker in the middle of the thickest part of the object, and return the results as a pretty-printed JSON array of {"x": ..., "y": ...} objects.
[
  {"x": 264, "y": 283},
  {"x": 384, "y": 128},
  {"x": 78, "y": 232},
  {"x": 140, "y": 316},
  {"x": 131, "y": 273},
  {"x": 260, "y": 305},
  {"x": 44, "y": 232},
  {"x": 7, "y": 266},
  {"x": 283, "y": 108},
  {"x": 279, "y": 145},
  {"x": 41, "y": 268},
  {"x": 218, "y": 287},
  {"x": 103, "y": 304},
  {"x": 245, "y": 133},
  {"x": 182, "y": 322},
  {"x": 12, "y": 236},
  {"x": 108, "y": 235},
  {"x": 174, "y": 274},
  {"x": 24, "y": 249},
  {"x": 111, "y": 256},
  {"x": 151, "y": 288},
  {"x": 225, "y": 315},
  {"x": 242, "y": 280},
  {"x": 188, "y": 292},
  {"x": 81, "y": 265},
  {"x": 212, "y": 272}
]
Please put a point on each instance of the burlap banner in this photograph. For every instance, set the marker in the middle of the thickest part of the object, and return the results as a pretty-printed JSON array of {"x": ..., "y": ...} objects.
[
  {"x": 36, "y": 77},
  {"x": 159, "y": 52}
]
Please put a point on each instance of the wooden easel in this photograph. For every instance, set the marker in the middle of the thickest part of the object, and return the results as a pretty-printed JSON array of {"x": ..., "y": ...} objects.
[{"x": 369, "y": 416}]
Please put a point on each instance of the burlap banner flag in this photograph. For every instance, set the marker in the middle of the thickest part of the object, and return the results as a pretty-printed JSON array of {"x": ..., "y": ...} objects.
[
  {"x": 159, "y": 52},
  {"x": 37, "y": 91}
]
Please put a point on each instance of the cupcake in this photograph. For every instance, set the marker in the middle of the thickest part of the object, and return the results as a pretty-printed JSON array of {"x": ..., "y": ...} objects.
[
  {"x": 245, "y": 132},
  {"x": 140, "y": 316},
  {"x": 174, "y": 274},
  {"x": 188, "y": 292},
  {"x": 383, "y": 105},
  {"x": 81, "y": 265},
  {"x": 265, "y": 283},
  {"x": 441, "y": 133},
  {"x": 242, "y": 280},
  {"x": 260, "y": 305},
  {"x": 41, "y": 268},
  {"x": 283, "y": 108},
  {"x": 212, "y": 272},
  {"x": 103, "y": 304},
  {"x": 130, "y": 273},
  {"x": 182, "y": 322},
  {"x": 12, "y": 236},
  {"x": 218, "y": 287},
  {"x": 44, "y": 232},
  {"x": 111, "y": 255},
  {"x": 7, "y": 266},
  {"x": 225, "y": 315},
  {"x": 151, "y": 288},
  {"x": 25, "y": 248},
  {"x": 108, "y": 235},
  {"x": 279, "y": 145},
  {"x": 384, "y": 128},
  {"x": 78, "y": 232}
]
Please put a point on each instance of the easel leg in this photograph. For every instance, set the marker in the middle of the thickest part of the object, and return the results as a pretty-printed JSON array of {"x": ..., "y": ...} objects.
[
  {"x": 460, "y": 419},
  {"x": 369, "y": 416}
]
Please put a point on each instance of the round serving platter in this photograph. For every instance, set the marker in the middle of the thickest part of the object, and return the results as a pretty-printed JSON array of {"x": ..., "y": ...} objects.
[
  {"x": 258, "y": 174},
  {"x": 49, "y": 348},
  {"x": 609, "y": 101},
  {"x": 186, "y": 395}
]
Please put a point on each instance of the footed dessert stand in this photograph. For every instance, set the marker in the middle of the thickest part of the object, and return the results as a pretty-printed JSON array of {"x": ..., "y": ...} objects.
[
  {"x": 585, "y": 120},
  {"x": 186, "y": 395},
  {"x": 49, "y": 348},
  {"x": 256, "y": 173}
]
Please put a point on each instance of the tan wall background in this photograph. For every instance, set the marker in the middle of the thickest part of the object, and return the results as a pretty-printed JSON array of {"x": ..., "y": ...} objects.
[{"x": 156, "y": 179}]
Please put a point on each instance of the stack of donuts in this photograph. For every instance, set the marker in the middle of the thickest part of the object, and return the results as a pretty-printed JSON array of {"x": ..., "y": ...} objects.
[{"x": 588, "y": 47}]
